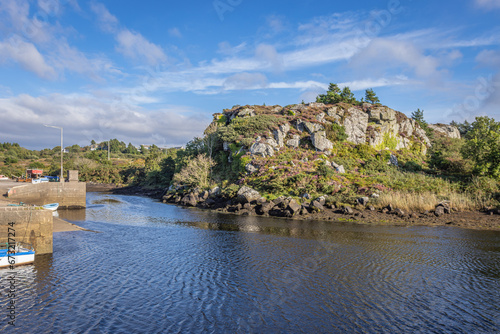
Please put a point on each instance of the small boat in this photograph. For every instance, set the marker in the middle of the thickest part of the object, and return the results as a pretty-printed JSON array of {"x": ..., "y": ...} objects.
[
  {"x": 15, "y": 255},
  {"x": 51, "y": 206},
  {"x": 3, "y": 177}
]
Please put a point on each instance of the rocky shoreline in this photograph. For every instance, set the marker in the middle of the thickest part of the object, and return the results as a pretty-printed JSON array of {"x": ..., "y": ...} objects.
[{"x": 249, "y": 202}]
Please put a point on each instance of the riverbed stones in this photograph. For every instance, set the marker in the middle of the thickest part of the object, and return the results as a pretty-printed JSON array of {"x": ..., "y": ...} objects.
[
  {"x": 189, "y": 200},
  {"x": 247, "y": 194},
  {"x": 362, "y": 201},
  {"x": 294, "y": 207},
  {"x": 347, "y": 210}
]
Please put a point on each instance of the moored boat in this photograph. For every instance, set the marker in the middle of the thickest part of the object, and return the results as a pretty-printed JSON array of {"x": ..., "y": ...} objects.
[
  {"x": 15, "y": 255},
  {"x": 51, "y": 206}
]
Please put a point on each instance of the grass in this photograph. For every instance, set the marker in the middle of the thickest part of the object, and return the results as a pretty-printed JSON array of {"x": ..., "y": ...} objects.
[{"x": 420, "y": 202}]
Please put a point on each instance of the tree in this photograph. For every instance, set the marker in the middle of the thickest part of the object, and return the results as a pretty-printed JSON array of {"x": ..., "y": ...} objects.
[
  {"x": 371, "y": 97},
  {"x": 335, "y": 95},
  {"x": 92, "y": 142},
  {"x": 482, "y": 146},
  {"x": 347, "y": 96},
  {"x": 418, "y": 116},
  {"x": 332, "y": 96},
  {"x": 196, "y": 173}
]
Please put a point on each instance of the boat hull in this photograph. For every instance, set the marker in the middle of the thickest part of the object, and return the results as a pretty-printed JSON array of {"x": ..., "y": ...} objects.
[
  {"x": 51, "y": 207},
  {"x": 20, "y": 258}
]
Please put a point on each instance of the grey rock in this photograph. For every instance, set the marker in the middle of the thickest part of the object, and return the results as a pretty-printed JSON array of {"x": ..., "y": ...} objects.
[
  {"x": 294, "y": 207},
  {"x": 306, "y": 196},
  {"x": 355, "y": 124},
  {"x": 446, "y": 130},
  {"x": 215, "y": 191},
  {"x": 393, "y": 160},
  {"x": 247, "y": 194},
  {"x": 320, "y": 117},
  {"x": 294, "y": 142},
  {"x": 347, "y": 210},
  {"x": 320, "y": 142},
  {"x": 439, "y": 211},
  {"x": 262, "y": 149},
  {"x": 317, "y": 206},
  {"x": 189, "y": 200},
  {"x": 399, "y": 212},
  {"x": 340, "y": 169},
  {"x": 250, "y": 168},
  {"x": 272, "y": 143},
  {"x": 280, "y": 134},
  {"x": 225, "y": 146},
  {"x": 313, "y": 127},
  {"x": 362, "y": 201}
]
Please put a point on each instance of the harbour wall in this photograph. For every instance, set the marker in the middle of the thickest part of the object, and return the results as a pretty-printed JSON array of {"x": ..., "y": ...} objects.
[
  {"x": 69, "y": 195},
  {"x": 27, "y": 224}
]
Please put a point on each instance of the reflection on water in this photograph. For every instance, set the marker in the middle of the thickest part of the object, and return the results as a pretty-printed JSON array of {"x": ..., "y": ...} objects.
[{"x": 159, "y": 268}]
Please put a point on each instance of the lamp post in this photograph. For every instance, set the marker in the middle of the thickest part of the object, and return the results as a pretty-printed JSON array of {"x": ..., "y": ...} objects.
[{"x": 62, "y": 149}]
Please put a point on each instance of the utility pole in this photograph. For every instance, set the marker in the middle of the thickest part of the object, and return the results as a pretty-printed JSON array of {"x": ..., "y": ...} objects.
[
  {"x": 62, "y": 149},
  {"x": 108, "y": 150}
]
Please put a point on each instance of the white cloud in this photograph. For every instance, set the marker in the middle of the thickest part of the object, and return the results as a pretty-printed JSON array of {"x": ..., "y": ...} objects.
[
  {"x": 269, "y": 57},
  {"x": 26, "y": 55},
  {"x": 488, "y": 4},
  {"x": 175, "y": 32},
  {"x": 107, "y": 21},
  {"x": 135, "y": 46},
  {"x": 489, "y": 58},
  {"x": 383, "y": 54},
  {"x": 85, "y": 117},
  {"x": 245, "y": 80}
]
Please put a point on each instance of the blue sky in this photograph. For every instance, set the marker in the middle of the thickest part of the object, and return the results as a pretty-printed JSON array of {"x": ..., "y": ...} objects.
[{"x": 155, "y": 72}]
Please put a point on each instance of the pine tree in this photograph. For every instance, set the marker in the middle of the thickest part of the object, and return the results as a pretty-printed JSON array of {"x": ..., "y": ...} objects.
[{"x": 371, "y": 97}]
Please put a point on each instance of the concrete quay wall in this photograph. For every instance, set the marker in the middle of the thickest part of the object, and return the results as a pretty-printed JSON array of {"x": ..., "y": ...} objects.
[
  {"x": 69, "y": 195},
  {"x": 31, "y": 225}
]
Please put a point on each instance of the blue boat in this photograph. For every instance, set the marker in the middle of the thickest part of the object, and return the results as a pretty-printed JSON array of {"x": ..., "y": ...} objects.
[
  {"x": 51, "y": 206},
  {"x": 14, "y": 255}
]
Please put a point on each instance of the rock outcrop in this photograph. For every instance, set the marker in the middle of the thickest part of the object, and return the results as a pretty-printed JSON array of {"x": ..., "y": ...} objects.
[
  {"x": 374, "y": 124},
  {"x": 445, "y": 130}
]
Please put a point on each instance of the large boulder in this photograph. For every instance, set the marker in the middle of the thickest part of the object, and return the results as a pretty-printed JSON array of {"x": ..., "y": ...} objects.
[
  {"x": 247, "y": 194},
  {"x": 313, "y": 127},
  {"x": 355, "y": 124},
  {"x": 189, "y": 200},
  {"x": 320, "y": 142},
  {"x": 445, "y": 130},
  {"x": 294, "y": 142},
  {"x": 294, "y": 207},
  {"x": 262, "y": 149},
  {"x": 280, "y": 134}
]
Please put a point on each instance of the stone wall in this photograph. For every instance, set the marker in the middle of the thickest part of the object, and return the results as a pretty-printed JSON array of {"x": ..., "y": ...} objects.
[
  {"x": 69, "y": 195},
  {"x": 32, "y": 225}
]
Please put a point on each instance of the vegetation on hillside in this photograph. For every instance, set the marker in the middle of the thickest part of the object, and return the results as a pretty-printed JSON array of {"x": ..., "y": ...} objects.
[{"x": 465, "y": 171}]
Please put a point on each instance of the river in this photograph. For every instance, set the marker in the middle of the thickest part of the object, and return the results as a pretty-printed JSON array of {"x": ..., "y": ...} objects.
[{"x": 157, "y": 268}]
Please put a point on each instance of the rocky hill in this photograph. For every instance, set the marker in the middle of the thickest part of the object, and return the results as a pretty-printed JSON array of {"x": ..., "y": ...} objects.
[{"x": 379, "y": 126}]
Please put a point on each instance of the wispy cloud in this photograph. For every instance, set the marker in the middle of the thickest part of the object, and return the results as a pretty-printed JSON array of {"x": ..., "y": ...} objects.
[
  {"x": 130, "y": 43},
  {"x": 26, "y": 55},
  {"x": 488, "y": 4},
  {"x": 86, "y": 117}
]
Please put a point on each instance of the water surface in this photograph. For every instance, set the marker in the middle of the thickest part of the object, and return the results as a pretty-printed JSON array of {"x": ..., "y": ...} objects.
[{"x": 158, "y": 268}]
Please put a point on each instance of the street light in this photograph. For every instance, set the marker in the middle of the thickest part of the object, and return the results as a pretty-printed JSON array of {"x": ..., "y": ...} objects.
[{"x": 62, "y": 149}]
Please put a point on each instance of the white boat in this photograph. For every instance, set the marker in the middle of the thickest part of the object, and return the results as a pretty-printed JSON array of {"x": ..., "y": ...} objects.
[
  {"x": 3, "y": 177},
  {"x": 21, "y": 253},
  {"x": 51, "y": 206}
]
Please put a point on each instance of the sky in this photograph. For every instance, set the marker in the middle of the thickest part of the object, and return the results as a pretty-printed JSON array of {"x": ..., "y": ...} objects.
[{"x": 154, "y": 72}]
